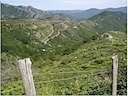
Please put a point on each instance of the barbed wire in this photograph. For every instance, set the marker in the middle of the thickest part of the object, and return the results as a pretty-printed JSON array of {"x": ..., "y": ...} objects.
[
  {"x": 100, "y": 81},
  {"x": 121, "y": 90},
  {"x": 6, "y": 78},
  {"x": 122, "y": 67},
  {"x": 15, "y": 88},
  {"x": 69, "y": 78},
  {"x": 124, "y": 77},
  {"x": 72, "y": 72},
  {"x": 121, "y": 83}
]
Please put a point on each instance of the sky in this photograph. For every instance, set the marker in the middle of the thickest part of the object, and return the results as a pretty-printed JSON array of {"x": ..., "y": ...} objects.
[{"x": 68, "y": 4}]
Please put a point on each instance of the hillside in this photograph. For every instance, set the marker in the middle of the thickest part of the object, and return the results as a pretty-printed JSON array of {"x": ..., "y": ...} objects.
[
  {"x": 35, "y": 35},
  {"x": 90, "y": 57},
  {"x": 56, "y": 33},
  {"x": 69, "y": 57},
  {"x": 107, "y": 21}
]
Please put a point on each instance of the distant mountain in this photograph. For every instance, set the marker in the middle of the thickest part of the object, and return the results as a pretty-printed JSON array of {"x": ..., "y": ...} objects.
[
  {"x": 106, "y": 21},
  {"x": 78, "y": 14},
  {"x": 120, "y": 9},
  {"x": 86, "y": 14},
  {"x": 10, "y": 11},
  {"x": 72, "y": 13}
]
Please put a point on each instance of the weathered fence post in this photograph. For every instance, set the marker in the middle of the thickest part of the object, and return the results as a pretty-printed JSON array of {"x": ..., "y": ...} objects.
[
  {"x": 27, "y": 78},
  {"x": 115, "y": 70}
]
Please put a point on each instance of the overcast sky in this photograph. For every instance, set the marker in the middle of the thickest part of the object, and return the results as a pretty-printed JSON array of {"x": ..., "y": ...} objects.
[{"x": 68, "y": 4}]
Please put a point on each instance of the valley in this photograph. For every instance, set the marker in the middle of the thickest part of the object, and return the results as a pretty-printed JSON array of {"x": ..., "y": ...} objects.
[{"x": 69, "y": 56}]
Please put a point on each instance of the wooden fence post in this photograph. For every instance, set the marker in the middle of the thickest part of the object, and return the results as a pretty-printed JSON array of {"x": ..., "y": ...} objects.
[
  {"x": 27, "y": 78},
  {"x": 115, "y": 74}
]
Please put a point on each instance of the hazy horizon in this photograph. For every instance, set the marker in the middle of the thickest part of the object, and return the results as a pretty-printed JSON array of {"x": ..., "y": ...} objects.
[
  {"x": 63, "y": 9},
  {"x": 68, "y": 4}
]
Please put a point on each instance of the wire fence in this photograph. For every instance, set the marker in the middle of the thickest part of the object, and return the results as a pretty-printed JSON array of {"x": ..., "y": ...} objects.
[
  {"x": 6, "y": 78},
  {"x": 74, "y": 72},
  {"x": 94, "y": 73},
  {"x": 87, "y": 76},
  {"x": 87, "y": 92},
  {"x": 76, "y": 76},
  {"x": 54, "y": 73}
]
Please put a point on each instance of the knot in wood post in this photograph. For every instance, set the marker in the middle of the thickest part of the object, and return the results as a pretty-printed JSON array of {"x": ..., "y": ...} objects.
[{"x": 27, "y": 78}]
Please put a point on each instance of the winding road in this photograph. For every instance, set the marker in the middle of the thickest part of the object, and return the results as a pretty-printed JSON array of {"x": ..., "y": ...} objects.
[{"x": 45, "y": 40}]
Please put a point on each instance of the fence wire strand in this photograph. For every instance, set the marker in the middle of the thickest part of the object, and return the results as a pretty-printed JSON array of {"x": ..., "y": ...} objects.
[
  {"x": 69, "y": 78},
  {"x": 72, "y": 72},
  {"x": 15, "y": 88},
  {"x": 6, "y": 78}
]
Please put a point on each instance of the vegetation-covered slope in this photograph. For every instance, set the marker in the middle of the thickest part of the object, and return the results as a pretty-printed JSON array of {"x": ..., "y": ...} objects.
[
  {"x": 107, "y": 21},
  {"x": 56, "y": 33},
  {"x": 69, "y": 57},
  {"x": 36, "y": 35},
  {"x": 88, "y": 65}
]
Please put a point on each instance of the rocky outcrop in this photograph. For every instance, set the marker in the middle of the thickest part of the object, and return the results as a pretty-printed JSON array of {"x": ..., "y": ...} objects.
[{"x": 107, "y": 36}]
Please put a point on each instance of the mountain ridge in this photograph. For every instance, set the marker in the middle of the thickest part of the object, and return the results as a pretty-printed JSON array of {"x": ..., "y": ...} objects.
[
  {"x": 34, "y": 13},
  {"x": 86, "y": 14},
  {"x": 11, "y": 11}
]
